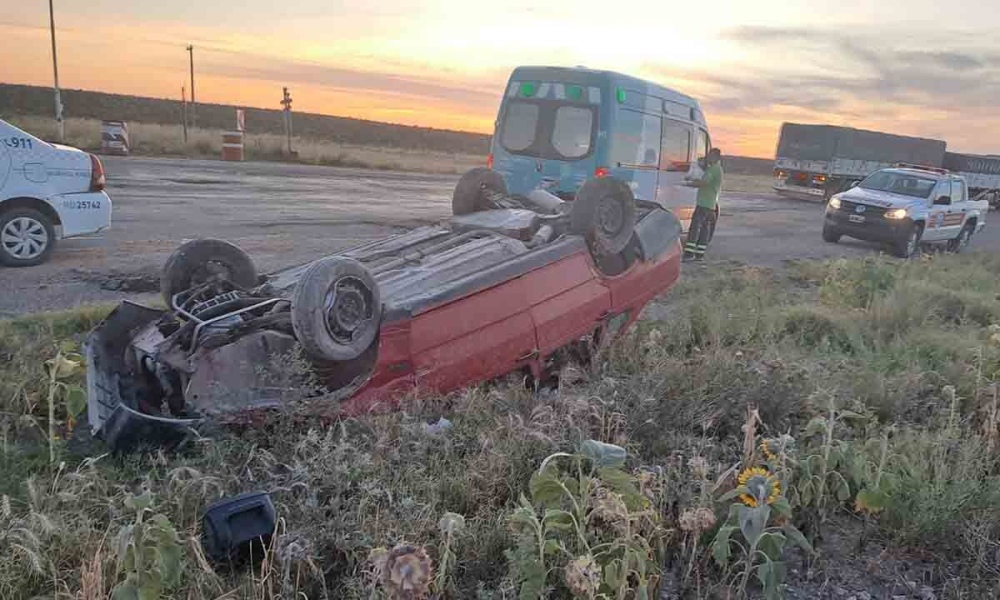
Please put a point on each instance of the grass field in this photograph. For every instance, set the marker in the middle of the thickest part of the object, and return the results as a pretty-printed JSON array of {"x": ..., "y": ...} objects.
[
  {"x": 168, "y": 140},
  {"x": 864, "y": 392}
]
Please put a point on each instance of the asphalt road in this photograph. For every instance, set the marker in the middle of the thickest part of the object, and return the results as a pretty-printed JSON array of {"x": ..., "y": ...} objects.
[{"x": 284, "y": 214}]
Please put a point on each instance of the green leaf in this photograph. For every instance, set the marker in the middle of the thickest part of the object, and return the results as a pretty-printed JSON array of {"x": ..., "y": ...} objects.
[
  {"x": 552, "y": 547},
  {"x": 140, "y": 502},
  {"x": 732, "y": 494},
  {"x": 623, "y": 483},
  {"x": 797, "y": 538},
  {"x": 816, "y": 426},
  {"x": 558, "y": 520},
  {"x": 603, "y": 455},
  {"x": 850, "y": 415},
  {"x": 170, "y": 564},
  {"x": 151, "y": 589},
  {"x": 76, "y": 401},
  {"x": 781, "y": 507},
  {"x": 614, "y": 576},
  {"x": 753, "y": 521},
  {"x": 843, "y": 490},
  {"x": 872, "y": 501},
  {"x": 771, "y": 575},
  {"x": 806, "y": 493},
  {"x": 720, "y": 545},
  {"x": 771, "y": 544},
  {"x": 126, "y": 590},
  {"x": 546, "y": 489}
]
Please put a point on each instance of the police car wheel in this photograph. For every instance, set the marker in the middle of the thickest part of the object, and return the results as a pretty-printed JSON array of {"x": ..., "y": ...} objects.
[
  {"x": 831, "y": 235},
  {"x": 909, "y": 245},
  {"x": 27, "y": 237},
  {"x": 962, "y": 241}
]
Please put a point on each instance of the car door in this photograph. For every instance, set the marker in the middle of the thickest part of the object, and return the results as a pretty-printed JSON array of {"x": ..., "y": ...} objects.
[
  {"x": 567, "y": 301},
  {"x": 955, "y": 215},
  {"x": 635, "y": 151},
  {"x": 934, "y": 229},
  {"x": 475, "y": 338},
  {"x": 676, "y": 144}
]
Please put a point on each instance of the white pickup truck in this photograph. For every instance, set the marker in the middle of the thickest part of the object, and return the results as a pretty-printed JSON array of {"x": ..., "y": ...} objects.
[
  {"x": 47, "y": 192},
  {"x": 905, "y": 207}
]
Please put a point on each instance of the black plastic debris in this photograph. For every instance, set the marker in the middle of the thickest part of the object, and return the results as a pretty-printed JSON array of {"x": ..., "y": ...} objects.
[{"x": 236, "y": 529}]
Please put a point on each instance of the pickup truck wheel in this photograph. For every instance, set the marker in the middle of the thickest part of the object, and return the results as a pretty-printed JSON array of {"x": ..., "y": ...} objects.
[
  {"x": 199, "y": 261},
  {"x": 27, "y": 237},
  {"x": 604, "y": 213},
  {"x": 336, "y": 309},
  {"x": 962, "y": 241},
  {"x": 473, "y": 190},
  {"x": 909, "y": 245},
  {"x": 831, "y": 235}
]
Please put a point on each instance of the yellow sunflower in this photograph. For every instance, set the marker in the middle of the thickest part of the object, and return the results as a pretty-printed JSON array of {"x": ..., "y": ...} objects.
[
  {"x": 762, "y": 487},
  {"x": 766, "y": 449}
]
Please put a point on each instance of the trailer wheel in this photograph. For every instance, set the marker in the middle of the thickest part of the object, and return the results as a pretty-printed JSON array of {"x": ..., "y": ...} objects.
[
  {"x": 199, "y": 261},
  {"x": 473, "y": 190},
  {"x": 336, "y": 309},
  {"x": 604, "y": 213}
]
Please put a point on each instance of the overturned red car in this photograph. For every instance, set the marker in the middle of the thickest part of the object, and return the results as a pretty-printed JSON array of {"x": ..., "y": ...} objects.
[{"x": 502, "y": 286}]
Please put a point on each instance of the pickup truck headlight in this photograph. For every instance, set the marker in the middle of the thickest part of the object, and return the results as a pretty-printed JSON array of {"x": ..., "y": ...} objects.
[
  {"x": 898, "y": 213},
  {"x": 835, "y": 203}
]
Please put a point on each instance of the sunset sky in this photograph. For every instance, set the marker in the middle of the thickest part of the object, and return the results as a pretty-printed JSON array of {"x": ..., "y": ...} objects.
[{"x": 918, "y": 67}]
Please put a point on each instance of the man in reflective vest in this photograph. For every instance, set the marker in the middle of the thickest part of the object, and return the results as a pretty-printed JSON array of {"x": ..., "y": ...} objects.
[{"x": 706, "y": 208}]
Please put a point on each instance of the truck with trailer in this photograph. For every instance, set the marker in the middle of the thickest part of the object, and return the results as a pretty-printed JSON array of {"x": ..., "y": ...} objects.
[{"x": 818, "y": 161}]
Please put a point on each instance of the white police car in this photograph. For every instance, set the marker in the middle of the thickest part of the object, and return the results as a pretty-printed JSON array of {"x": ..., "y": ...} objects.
[
  {"x": 47, "y": 192},
  {"x": 905, "y": 207}
]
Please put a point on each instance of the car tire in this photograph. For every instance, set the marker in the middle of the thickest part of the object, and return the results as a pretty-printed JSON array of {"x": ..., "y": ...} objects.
[
  {"x": 910, "y": 244},
  {"x": 831, "y": 235},
  {"x": 962, "y": 240},
  {"x": 198, "y": 260},
  {"x": 336, "y": 309},
  {"x": 468, "y": 196},
  {"x": 603, "y": 212},
  {"x": 27, "y": 237}
]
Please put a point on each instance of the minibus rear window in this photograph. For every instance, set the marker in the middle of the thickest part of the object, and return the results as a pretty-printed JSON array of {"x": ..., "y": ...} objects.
[{"x": 552, "y": 129}]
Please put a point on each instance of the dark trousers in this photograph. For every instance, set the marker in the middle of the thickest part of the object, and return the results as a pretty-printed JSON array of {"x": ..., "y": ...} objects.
[{"x": 700, "y": 232}]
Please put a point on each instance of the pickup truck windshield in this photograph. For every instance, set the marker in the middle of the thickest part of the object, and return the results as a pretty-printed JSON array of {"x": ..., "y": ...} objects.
[{"x": 899, "y": 183}]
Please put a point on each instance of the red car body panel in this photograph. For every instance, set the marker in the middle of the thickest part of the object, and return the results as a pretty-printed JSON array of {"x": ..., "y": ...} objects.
[{"x": 514, "y": 325}]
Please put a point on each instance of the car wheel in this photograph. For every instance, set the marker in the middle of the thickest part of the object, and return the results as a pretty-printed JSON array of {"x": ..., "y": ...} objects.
[
  {"x": 962, "y": 241},
  {"x": 199, "y": 261},
  {"x": 831, "y": 235},
  {"x": 910, "y": 244},
  {"x": 27, "y": 237},
  {"x": 604, "y": 213},
  {"x": 473, "y": 190},
  {"x": 336, "y": 309}
]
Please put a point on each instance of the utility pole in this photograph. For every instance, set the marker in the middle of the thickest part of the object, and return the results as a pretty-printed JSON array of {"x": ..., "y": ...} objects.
[
  {"x": 286, "y": 101},
  {"x": 194, "y": 116},
  {"x": 184, "y": 112},
  {"x": 60, "y": 128}
]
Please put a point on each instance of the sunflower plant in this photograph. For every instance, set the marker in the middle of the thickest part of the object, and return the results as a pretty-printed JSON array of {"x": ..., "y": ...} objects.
[
  {"x": 586, "y": 528},
  {"x": 752, "y": 528}
]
